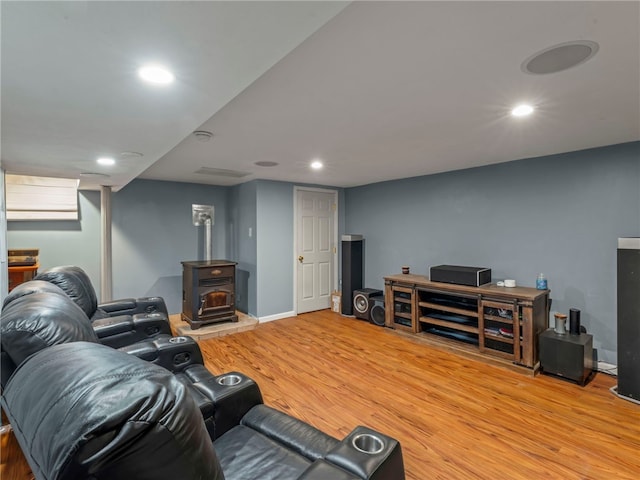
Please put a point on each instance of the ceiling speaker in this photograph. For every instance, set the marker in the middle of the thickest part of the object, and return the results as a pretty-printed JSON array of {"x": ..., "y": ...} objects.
[{"x": 560, "y": 57}]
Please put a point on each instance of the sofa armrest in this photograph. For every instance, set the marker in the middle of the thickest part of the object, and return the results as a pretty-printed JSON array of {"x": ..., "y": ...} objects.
[
  {"x": 291, "y": 432},
  {"x": 109, "y": 327},
  {"x": 120, "y": 331},
  {"x": 369, "y": 455},
  {"x": 322, "y": 470},
  {"x": 173, "y": 353},
  {"x": 132, "y": 306},
  {"x": 233, "y": 394},
  {"x": 119, "y": 307}
]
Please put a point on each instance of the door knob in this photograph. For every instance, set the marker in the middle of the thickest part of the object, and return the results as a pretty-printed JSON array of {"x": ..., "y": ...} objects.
[{"x": 300, "y": 258}]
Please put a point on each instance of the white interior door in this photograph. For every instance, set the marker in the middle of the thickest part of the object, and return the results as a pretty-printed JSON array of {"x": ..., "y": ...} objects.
[{"x": 315, "y": 249}]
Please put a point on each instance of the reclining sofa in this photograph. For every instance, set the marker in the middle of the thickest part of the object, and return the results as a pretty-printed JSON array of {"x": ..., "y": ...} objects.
[
  {"x": 119, "y": 322},
  {"x": 51, "y": 317},
  {"x": 75, "y": 282},
  {"x": 38, "y": 315},
  {"x": 81, "y": 409}
]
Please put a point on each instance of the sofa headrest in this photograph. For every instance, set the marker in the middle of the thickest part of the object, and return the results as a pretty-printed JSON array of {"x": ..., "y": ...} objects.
[
  {"x": 32, "y": 286},
  {"x": 75, "y": 283},
  {"x": 84, "y": 410},
  {"x": 33, "y": 322}
]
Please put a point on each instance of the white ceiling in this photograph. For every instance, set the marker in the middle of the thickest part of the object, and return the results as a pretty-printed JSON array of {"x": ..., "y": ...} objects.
[{"x": 377, "y": 90}]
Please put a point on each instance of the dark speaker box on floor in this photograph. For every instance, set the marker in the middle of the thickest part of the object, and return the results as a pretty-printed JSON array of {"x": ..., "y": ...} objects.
[
  {"x": 363, "y": 302},
  {"x": 568, "y": 356},
  {"x": 377, "y": 311}
]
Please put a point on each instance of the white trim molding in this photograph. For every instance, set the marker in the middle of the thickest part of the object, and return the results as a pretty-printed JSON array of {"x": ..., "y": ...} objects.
[{"x": 277, "y": 316}]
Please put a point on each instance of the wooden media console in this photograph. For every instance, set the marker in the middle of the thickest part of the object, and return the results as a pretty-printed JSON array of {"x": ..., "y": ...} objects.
[{"x": 497, "y": 322}]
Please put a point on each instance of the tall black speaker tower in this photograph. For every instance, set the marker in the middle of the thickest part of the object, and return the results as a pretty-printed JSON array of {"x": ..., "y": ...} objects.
[
  {"x": 352, "y": 263},
  {"x": 629, "y": 317}
]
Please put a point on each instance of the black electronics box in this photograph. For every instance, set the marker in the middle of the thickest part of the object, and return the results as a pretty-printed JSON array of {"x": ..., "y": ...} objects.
[
  {"x": 568, "y": 356},
  {"x": 472, "y": 276}
]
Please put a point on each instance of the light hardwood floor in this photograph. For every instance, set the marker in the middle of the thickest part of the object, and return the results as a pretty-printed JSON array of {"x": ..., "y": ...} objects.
[{"x": 456, "y": 418}]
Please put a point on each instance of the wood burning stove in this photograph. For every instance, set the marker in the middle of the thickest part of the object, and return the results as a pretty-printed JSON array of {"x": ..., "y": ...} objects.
[{"x": 208, "y": 292}]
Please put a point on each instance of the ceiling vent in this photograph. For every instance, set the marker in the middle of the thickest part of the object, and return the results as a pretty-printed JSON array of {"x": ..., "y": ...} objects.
[
  {"x": 202, "y": 135},
  {"x": 221, "y": 172},
  {"x": 560, "y": 57}
]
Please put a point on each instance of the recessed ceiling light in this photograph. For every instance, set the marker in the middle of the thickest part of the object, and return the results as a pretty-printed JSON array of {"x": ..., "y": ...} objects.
[
  {"x": 156, "y": 74},
  {"x": 265, "y": 163},
  {"x": 317, "y": 165},
  {"x": 522, "y": 110},
  {"x": 106, "y": 161}
]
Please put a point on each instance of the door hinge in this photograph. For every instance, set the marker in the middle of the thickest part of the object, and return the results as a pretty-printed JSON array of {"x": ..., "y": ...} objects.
[
  {"x": 333, "y": 207},
  {"x": 335, "y": 250}
]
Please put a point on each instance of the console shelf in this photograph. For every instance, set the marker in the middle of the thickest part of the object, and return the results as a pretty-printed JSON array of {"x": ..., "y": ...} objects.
[
  {"x": 449, "y": 324},
  {"x": 500, "y": 322}
]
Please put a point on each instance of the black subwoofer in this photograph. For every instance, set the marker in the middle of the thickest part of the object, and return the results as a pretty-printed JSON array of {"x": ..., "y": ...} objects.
[
  {"x": 377, "y": 311},
  {"x": 363, "y": 302},
  {"x": 565, "y": 355}
]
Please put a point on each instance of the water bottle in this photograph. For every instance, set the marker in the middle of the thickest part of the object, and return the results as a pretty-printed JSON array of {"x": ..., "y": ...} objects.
[{"x": 541, "y": 282}]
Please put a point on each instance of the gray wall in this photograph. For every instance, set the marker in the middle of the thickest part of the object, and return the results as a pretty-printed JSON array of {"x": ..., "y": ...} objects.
[
  {"x": 242, "y": 217},
  {"x": 153, "y": 232},
  {"x": 276, "y": 255},
  {"x": 275, "y": 247},
  {"x": 265, "y": 260},
  {"x": 560, "y": 215},
  {"x": 64, "y": 242}
]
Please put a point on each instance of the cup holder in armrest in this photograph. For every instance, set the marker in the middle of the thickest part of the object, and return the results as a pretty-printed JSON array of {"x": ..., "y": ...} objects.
[
  {"x": 368, "y": 443},
  {"x": 229, "y": 379},
  {"x": 368, "y": 454},
  {"x": 178, "y": 340},
  {"x": 233, "y": 394}
]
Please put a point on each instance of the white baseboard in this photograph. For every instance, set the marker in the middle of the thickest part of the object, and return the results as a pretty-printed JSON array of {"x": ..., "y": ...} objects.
[
  {"x": 277, "y": 316},
  {"x": 608, "y": 368}
]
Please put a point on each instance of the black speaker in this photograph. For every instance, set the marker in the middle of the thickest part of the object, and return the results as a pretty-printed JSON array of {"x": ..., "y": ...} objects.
[
  {"x": 363, "y": 302},
  {"x": 459, "y": 275},
  {"x": 352, "y": 263},
  {"x": 568, "y": 356},
  {"x": 629, "y": 318},
  {"x": 377, "y": 311},
  {"x": 574, "y": 321}
]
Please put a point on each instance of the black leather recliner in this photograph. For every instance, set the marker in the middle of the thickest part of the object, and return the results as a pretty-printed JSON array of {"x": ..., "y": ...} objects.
[
  {"x": 118, "y": 323},
  {"x": 37, "y": 318},
  {"x": 76, "y": 283},
  {"x": 86, "y": 411},
  {"x": 116, "y": 331}
]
